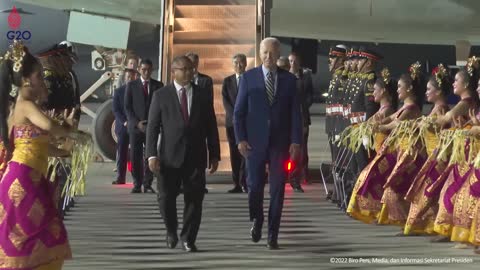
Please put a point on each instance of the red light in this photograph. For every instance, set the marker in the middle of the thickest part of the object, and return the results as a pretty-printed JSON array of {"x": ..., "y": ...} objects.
[
  {"x": 129, "y": 166},
  {"x": 290, "y": 166}
]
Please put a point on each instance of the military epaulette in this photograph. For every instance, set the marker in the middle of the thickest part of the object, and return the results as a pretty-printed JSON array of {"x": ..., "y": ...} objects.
[{"x": 338, "y": 72}]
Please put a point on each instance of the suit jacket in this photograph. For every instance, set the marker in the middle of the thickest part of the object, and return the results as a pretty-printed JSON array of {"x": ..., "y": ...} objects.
[
  {"x": 264, "y": 126},
  {"x": 229, "y": 96},
  {"x": 305, "y": 94},
  {"x": 136, "y": 103},
  {"x": 119, "y": 108},
  {"x": 206, "y": 82},
  {"x": 182, "y": 140}
]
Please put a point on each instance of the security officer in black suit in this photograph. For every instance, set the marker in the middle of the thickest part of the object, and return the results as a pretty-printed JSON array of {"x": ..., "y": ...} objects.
[
  {"x": 229, "y": 97},
  {"x": 305, "y": 97},
  {"x": 202, "y": 80},
  {"x": 121, "y": 127},
  {"x": 138, "y": 97}
]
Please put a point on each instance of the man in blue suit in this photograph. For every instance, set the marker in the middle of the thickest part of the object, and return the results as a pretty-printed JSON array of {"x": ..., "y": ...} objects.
[
  {"x": 121, "y": 127},
  {"x": 268, "y": 129}
]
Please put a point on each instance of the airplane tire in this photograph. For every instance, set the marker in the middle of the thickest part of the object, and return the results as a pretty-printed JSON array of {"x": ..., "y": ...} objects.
[{"x": 103, "y": 130}]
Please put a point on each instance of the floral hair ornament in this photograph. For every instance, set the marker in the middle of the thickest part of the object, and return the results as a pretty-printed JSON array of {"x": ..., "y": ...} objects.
[
  {"x": 414, "y": 70},
  {"x": 439, "y": 72},
  {"x": 385, "y": 75},
  {"x": 15, "y": 53},
  {"x": 472, "y": 64}
]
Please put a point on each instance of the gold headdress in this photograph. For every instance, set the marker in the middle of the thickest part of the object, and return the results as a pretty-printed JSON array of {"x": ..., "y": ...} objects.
[
  {"x": 385, "y": 75},
  {"x": 440, "y": 72},
  {"x": 16, "y": 53},
  {"x": 472, "y": 65},
  {"x": 415, "y": 70}
]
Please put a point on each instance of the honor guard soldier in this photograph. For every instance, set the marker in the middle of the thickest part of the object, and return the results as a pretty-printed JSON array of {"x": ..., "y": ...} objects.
[
  {"x": 61, "y": 82},
  {"x": 344, "y": 163},
  {"x": 350, "y": 87},
  {"x": 363, "y": 103},
  {"x": 63, "y": 93},
  {"x": 334, "y": 107}
]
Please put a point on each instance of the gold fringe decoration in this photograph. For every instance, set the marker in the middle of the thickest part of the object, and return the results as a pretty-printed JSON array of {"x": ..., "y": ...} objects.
[{"x": 82, "y": 154}]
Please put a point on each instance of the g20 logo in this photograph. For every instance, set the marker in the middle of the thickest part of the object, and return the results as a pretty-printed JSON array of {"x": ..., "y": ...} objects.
[
  {"x": 19, "y": 35},
  {"x": 14, "y": 22}
]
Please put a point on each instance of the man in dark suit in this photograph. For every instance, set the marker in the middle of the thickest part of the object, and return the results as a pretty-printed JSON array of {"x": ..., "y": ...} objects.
[
  {"x": 305, "y": 97},
  {"x": 138, "y": 96},
  {"x": 202, "y": 80},
  {"x": 229, "y": 95},
  {"x": 185, "y": 118},
  {"x": 121, "y": 127},
  {"x": 268, "y": 127}
]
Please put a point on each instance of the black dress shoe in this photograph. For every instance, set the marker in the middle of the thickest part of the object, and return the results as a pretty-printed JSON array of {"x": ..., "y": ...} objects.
[
  {"x": 272, "y": 245},
  {"x": 116, "y": 182},
  {"x": 188, "y": 247},
  {"x": 235, "y": 190},
  {"x": 255, "y": 232},
  {"x": 206, "y": 190},
  {"x": 148, "y": 189},
  {"x": 172, "y": 241},
  {"x": 136, "y": 190},
  {"x": 298, "y": 189}
]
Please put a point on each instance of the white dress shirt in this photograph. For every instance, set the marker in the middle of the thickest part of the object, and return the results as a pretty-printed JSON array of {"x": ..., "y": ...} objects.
[
  {"x": 195, "y": 78},
  {"x": 189, "y": 93}
]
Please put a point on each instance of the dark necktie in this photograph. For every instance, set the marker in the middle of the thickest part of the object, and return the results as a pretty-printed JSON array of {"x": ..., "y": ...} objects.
[
  {"x": 145, "y": 88},
  {"x": 184, "y": 104},
  {"x": 270, "y": 88}
]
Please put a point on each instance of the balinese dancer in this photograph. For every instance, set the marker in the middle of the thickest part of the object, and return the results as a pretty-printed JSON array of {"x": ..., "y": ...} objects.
[
  {"x": 32, "y": 235},
  {"x": 409, "y": 158},
  {"x": 465, "y": 147},
  {"x": 423, "y": 208},
  {"x": 467, "y": 196},
  {"x": 364, "y": 203}
]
